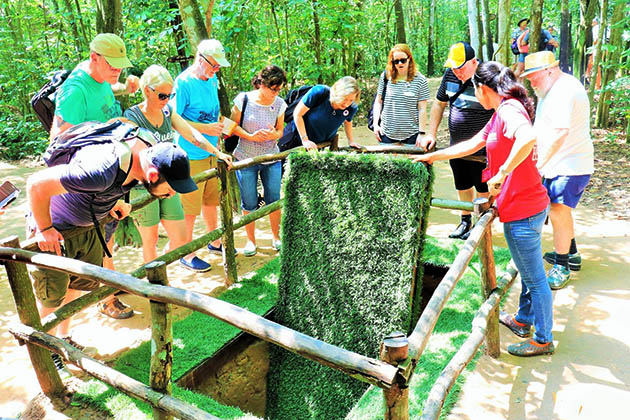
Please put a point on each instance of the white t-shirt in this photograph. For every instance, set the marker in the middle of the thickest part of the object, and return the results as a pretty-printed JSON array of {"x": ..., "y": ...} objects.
[{"x": 566, "y": 106}]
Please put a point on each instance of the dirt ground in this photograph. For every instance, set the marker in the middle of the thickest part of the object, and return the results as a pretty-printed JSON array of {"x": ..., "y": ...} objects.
[{"x": 587, "y": 378}]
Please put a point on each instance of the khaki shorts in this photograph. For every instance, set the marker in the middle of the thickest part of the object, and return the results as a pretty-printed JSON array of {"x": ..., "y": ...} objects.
[
  {"x": 208, "y": 192},
  {"x": 51, "y": 286}
]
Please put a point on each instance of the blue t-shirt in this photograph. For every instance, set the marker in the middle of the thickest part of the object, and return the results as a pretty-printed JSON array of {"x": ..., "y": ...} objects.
[
  {"x": 198, "y": 101},
  {"x": 92, "y": 176},
  {"x": 545, "y": 37},
  {"x": 321, "y": 120}
]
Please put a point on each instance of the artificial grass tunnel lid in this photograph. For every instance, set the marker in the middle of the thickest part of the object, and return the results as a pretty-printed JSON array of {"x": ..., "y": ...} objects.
[{"x": 352, "y": 230}]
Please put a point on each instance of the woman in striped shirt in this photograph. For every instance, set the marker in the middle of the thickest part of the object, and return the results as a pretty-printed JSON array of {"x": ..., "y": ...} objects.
[{"x": 401, "y": 102}]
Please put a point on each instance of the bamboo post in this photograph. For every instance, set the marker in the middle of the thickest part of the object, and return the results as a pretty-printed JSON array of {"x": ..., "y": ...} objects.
[
  {"x": 161, "y": 339},
  {"x": 395, "y": 349},
  {"x": 229, "y": 260},
  {"x": 20, "y": 283},
  {"x": 488, "y": 280}
]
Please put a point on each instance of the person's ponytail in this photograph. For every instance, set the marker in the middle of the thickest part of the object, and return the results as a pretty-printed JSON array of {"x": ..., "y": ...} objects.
[{"x": 502, "y": 80}]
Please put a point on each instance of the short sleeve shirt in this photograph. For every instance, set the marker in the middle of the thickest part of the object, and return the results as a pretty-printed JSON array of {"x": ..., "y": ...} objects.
[
  {"x": 196, "y": 100},
  {"x": 81, "y": 99},
  {"x": 163, "y": 133},
  {"x": 522, "y": 194},
  {"x": 321, "y": 120},
  {"x": 399, "y": 118},
  {"x": 257, "y": 117},
  {"x": 93, "y": 177},
  {"x": 466, "y": 117}
]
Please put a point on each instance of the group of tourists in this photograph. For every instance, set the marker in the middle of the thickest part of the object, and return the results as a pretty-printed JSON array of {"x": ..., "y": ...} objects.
[
  {"x": 490, "y": 115},
  {"x": 520, "y": 43}
]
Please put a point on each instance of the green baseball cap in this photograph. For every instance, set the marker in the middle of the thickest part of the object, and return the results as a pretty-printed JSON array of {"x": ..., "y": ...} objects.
[{"x": 112, "y": 48}]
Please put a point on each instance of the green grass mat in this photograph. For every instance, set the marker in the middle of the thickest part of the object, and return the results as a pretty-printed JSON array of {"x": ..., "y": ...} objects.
[{"x": 351, "y": 232}]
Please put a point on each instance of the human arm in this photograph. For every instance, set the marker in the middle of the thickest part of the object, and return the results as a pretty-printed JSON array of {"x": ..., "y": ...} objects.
[
  {"x": 464, "y": 148},
  {"x": 347, "y": 128},
  {"x": 422, "y": 116},
  {"x": 437, "y": 110},
  {"x": 186, "y": 129},
  {"x": 131, "y": 85},
  {"x": 298, "y": 118},
  {"x": 377, "y": 108},
  {"x": 40, "y": 188}
]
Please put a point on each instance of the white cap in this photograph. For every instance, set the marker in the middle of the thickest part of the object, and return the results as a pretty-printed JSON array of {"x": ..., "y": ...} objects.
[{"x": 213, "y": 48}]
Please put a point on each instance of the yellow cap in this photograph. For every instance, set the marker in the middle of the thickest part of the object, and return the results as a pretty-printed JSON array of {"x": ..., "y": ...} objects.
[
  {"x": 112, "y": 48},
  {"x": 459, "y": 54}
]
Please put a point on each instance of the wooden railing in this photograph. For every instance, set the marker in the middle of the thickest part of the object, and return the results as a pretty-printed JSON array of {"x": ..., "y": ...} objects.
[{"x": 399, "y": 354}]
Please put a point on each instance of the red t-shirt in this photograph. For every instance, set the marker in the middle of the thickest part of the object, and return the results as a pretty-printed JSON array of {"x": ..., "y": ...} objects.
[{"x": 522, "y": 194}]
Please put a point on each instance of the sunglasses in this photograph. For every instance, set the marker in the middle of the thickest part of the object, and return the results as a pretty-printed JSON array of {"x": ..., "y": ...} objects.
[
  {"x": 163, "y": 96},
  {"x": 275, "y": 89},
  {"x": 400, "y": 61},
  {"x": 214, "y": 66}
]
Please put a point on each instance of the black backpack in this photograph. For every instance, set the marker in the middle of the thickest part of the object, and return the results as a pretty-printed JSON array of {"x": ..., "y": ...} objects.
[
  {"x": 370, "y": 117},
  {"x": 231, "y": 142},
  {"x": 43, "y": 102},
  {"x": 292, "y": 99}
]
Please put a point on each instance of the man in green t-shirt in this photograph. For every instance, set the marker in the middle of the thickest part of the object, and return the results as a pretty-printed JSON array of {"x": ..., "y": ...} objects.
[{"x": 88, "y": 95}]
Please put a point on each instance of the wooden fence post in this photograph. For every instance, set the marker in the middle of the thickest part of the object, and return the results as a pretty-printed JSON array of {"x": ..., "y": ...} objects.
[
  {"x": 394, "y": 350},
  {"x": 20, "y": 283},
  {"x": 488, "y": 280},
  {"x": 161, "y": 339},
  {"x": 229, "y": 259},
  {"x": 334, "y": 143}
]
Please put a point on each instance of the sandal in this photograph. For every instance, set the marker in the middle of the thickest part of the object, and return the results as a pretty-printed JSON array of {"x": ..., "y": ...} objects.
[{"x": 115, "y": 309}]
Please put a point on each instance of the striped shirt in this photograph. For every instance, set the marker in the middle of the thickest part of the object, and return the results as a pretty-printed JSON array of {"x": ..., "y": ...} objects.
[
  {"x": 399, "y": 118},
  {"x": 466, "y": 117}
]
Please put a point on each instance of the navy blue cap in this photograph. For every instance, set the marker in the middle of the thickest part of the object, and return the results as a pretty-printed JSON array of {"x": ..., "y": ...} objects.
[{"x": 172, "y": 163}]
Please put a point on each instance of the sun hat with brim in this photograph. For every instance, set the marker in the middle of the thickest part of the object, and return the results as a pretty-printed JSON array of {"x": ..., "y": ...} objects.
[
  {"x": 112, "y": 48},
  {"x": 459, "y": 54},
  {"x": 539, "y": 61},
  {"x": 213, "y": 48},
  {"x": 522, "y": 20}
]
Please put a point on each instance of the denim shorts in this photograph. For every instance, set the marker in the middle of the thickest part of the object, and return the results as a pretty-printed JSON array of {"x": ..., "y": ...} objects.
[
  {"x": 521, "y": 57},
  {"x": 271, "y": 177},
  {"x": 566, "y": 189}
]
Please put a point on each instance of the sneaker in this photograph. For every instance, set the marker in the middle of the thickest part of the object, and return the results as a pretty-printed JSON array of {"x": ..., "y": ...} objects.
[
  {"x": 277, "y": 244},
  {"x": 530, "y": 348},
  {"x": 62, "y": 370},
  {"x": 465, "y": 235},
  {"x": 115, "y": 309},
  {"x": 518, "y": 328},
  {"x": 90, "y": 351},
  {"x": 558, "y": 276},
  {"x": 218, "y": 249},
  {"x": 196, "y": 264},
  {"x": 575, "y": 260},
  {"x": 250, "y": 249},
  {"x": 460, "y": 230}
]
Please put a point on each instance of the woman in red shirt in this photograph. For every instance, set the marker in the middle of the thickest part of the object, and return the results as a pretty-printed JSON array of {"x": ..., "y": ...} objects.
[{"x": 521, "y": 199}]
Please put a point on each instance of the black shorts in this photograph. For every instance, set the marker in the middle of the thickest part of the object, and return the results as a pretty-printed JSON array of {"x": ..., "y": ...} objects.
[{"x": 467, "y": 174}]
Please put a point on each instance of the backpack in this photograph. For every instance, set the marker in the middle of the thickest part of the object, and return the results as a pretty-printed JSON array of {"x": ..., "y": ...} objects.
[
  {"x": 523, "y": 47},
  {"x": 292, "y": 99},
  {"x": 43, "y": 102},
  {"x": 231, "y": 142},
  {"x": 514, "y": 47},
  {"x": 371, "y": 112}
]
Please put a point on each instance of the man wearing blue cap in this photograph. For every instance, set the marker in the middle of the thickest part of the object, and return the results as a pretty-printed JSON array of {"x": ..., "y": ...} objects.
[
  {"x": 90, "y": 186},
  {"x": 466, "y": 118}
]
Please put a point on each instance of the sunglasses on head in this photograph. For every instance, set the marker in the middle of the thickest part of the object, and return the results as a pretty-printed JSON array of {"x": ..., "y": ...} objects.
[
  {"x": 163, "y": 96},
  {"x": 214, "y": 66},
  {"x": 400, "y": 61}
]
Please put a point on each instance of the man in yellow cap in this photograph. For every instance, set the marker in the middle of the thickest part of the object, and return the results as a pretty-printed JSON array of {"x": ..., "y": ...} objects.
[
  {"x": 466, "y": 118},
  {"x": 565, "y": 155},
  {"x": 88, "y": 95}
]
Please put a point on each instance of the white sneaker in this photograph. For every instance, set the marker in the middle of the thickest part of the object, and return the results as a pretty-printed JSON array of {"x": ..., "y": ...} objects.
[
  {"x": 250, "y": 249},
  {"x": 277, "y": 244}
]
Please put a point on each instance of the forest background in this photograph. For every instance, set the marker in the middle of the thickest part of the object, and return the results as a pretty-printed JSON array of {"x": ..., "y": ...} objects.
[{"x": 315, "y": 41}]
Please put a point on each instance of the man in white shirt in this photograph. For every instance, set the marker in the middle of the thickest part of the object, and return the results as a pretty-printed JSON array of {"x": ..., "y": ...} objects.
[{"x": 565, "y": 154}]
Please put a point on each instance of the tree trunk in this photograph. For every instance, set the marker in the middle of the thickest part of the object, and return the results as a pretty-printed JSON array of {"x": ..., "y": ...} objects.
[
  {"x": 431, "y": 40},
  {"x": 74, "y": 27},
  {"x": 565, "y": 38},
  {"x": 317, "y": 42},
  {"x": 473, "y": 27},
  {"x": 487, "y": 31},
  {"x": 178, "y": 35},
  {"x": 209, "y": 11},
  {"x": 480, "y": 50},
  {"x": 504, "y": 53},
  {"x": 588, "y": 8},
  {"x": 536, "y": 25},
  {"x": 612, "y": 64},
  {"x": 84, "y": 31},
  {"x": 597, "y": 55},
  {"x": 109, "y": 17},
  {"x": 401, "y": 37}
]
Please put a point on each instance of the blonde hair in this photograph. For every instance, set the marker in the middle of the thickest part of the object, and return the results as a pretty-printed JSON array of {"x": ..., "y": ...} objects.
[
  {"x": 392, "y": 72},
  {"x": 343, "y": 87},
  {"x": 153, "y": 76}
]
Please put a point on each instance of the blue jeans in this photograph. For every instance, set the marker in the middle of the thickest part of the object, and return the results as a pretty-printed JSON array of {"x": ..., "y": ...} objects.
[
  {"x": 271, "y": 177},
  {"x": 535, "y": 304}
]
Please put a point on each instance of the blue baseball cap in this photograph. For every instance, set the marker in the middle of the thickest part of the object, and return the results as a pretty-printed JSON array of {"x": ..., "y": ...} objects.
[{"x": 172, "y": 163}]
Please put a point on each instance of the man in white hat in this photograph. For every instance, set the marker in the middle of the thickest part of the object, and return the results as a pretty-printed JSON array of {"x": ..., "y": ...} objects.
[
  {"x": 565, "y": 155},
  {"x": 88, "y": 95},
  {"x": 197, "y": 100}
]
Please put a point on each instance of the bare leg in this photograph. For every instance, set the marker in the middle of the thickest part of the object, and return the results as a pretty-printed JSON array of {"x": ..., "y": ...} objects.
[
  {"x": 250, "y": 229},
  {"x": 562, "y": 222},
  {"x": 210, "y": 217},
  {"x": 176, "y": 231},
  {"x": 466, "y": 195},
  {"x": 64, "y": 327},
  {"x": 274, "y": 221},
  {"x": 190, "y": 225},
  {"x": 149, "y": 242}
]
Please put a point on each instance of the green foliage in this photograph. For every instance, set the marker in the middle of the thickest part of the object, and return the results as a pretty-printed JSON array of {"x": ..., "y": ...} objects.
[
  {"x": 21, "y": 137},
  {"x": 351, "y": 237}
]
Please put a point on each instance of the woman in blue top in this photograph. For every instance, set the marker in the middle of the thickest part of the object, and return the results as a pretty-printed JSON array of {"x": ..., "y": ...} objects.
[{"x": 323, "y": 110}]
